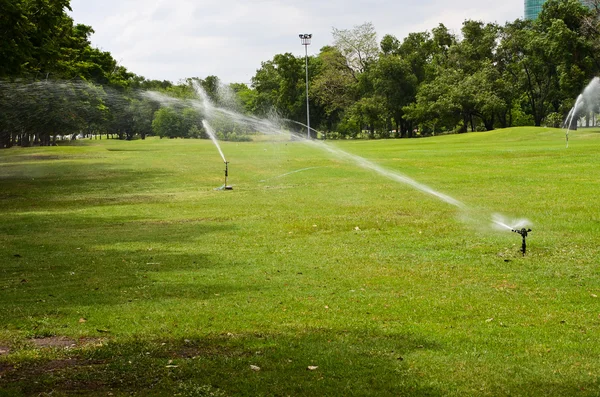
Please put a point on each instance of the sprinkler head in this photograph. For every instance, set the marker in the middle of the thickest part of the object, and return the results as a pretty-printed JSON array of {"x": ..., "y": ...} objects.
[{"x": 523, "y": 232}]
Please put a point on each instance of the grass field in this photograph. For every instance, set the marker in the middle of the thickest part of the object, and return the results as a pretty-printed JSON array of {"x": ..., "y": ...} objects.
[{"x": 124, "y": 272}]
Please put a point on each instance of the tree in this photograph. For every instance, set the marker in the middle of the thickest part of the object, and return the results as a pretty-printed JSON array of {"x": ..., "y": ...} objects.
[
  {"x": 279, "y": 85},
  {"x": 395, "y": 82},
  {"x": 390, "y": 45},
  {"x": 246, "y": 96},
  {"x": 167, "y": 123},
  {"x": 31, "y": 35},
  {"x": 477, "y": 47},
  {"x": 334, "y": 88},
  {"x": 358, "y": 46},
  {"x": 142, "y": 112}
]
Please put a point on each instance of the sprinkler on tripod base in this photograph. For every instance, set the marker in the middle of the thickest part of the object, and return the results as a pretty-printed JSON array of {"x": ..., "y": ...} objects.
[
  {"x": 523, "y": 232},
  {"x": 225, "y": 186}
]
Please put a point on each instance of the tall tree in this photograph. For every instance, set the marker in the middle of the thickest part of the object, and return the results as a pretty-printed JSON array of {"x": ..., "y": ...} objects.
[
  {"x": 395, "y": 82},
  {"x": 334, "y": 88},
  {"x": 358, "y": 46}
]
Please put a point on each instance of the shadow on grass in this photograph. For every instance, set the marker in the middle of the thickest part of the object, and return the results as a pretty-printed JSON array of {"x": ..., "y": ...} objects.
[
  {"x": 299, "y": 362},
  {"x": 64, "y": 186},
  {"x": 309, "y": 362},
  {"x": 118, "y": 263}
]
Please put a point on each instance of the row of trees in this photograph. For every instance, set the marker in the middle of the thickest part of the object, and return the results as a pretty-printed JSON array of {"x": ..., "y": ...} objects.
[
  {"x": 39, "y": 112},
  {"x": 54, "y": 83},
  {"x": 489, "y": 76}
]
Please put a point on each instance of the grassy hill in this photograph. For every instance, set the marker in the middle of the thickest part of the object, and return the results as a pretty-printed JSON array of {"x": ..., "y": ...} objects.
[{"x": 124, "y": 271}]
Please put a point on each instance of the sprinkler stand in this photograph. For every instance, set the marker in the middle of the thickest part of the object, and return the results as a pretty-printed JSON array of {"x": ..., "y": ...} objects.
[
  {"x": 523, "y": 232},
  {"x": 225, "y": 187}
]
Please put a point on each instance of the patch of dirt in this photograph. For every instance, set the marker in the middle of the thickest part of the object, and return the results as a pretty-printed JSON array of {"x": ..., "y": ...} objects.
[
  {"x": 64, "y": 342},
  {"x": 58, "y": 371},
  {"x": 54, "y": 341},
  {"x": 11, "y": 373},
  {"x": 4, "y": 350},
  {"x": 57, "y": 365}
]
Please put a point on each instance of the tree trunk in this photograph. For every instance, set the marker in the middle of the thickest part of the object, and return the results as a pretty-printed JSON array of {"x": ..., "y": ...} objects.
[
  {"x": 24, "y": 140},
  {"x": 5, "y": 141},
  {"x": 489, "y": 123},
  {"x": 573, "y": 125},
  {"x": 587, "y": 119}
]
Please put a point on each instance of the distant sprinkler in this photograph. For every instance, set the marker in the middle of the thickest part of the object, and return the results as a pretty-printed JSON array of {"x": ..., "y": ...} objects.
[
  {"x": 226, "y": 187},
  {"x": 523, "y": 232}
]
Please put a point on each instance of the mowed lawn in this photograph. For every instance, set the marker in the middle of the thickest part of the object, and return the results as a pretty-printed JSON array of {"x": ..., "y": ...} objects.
[{"x": 124, "y": 272}]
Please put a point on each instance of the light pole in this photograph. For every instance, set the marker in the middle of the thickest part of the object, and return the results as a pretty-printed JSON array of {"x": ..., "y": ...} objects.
[{"x": 305, "y": 39}]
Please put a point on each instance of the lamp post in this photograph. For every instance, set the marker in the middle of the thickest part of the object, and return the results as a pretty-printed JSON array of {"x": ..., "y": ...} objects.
[{"x": 305, "y": 39}]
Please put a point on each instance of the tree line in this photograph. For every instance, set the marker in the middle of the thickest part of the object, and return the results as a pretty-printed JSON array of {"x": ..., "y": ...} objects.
[
  {"x": 488, "y": 76},
  {"x": 54, "y": 84}
]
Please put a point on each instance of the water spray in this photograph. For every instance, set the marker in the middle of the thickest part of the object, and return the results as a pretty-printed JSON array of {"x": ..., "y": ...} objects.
[
  {"x": 274, "y": 127},
  {"x": 523, "y": 232},
  {"x": 584, "y": 104}
]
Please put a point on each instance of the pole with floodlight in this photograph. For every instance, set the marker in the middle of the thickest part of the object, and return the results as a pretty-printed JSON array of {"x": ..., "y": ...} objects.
[{"x": 305, "y": 39}]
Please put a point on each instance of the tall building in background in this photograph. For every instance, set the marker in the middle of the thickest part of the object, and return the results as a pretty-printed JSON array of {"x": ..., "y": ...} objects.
[{"x": 533, "y": 7}]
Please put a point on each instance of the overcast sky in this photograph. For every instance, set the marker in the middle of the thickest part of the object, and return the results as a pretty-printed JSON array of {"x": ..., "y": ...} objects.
[{"x": 175, "y": 39}]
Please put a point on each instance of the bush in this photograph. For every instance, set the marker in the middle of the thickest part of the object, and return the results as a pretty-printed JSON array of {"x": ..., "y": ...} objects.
[
  {"x": 333, "y": 135},
  {"x": 553, "y": 120},
  {"x": 233, "y": 137},
  {"x": 521, "y": 119}
]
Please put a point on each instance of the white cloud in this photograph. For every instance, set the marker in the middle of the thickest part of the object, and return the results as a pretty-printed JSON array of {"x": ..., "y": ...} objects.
[{"x": 174, "y": 39}]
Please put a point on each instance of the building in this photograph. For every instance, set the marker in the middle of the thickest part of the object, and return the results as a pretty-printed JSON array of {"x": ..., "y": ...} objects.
[{"x": 533, "y": 8}]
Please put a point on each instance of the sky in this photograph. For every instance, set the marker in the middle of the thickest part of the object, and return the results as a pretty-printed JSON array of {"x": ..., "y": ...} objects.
[{"x": 175, "y": 39}]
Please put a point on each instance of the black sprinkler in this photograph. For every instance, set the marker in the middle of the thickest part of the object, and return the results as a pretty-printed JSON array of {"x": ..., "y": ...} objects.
[
  {"x": 226, "y": 175},
  {"x": 523, "y": 232}
]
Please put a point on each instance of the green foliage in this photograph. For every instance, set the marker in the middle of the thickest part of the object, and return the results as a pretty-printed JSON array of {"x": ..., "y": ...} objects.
[
  {"x": 488, "y": 77},
  {"x": 553, "y": 120},
  {"x": 280, "y": 84},
  {"x": 173, "y": 123},
  {"x": 32, "y": 34},
  {"x": 167, "y": 123},
  {"x": 334, "y": 87},
  {"x": 40, "y": 111},
  {"x": 247, "y": 97},
  {"x": 233, "y": 137},
  {"x": 493, "y": 76}
]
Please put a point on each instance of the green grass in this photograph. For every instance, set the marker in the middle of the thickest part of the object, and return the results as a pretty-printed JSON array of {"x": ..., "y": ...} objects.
[{"x": 170, "y": 287}]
